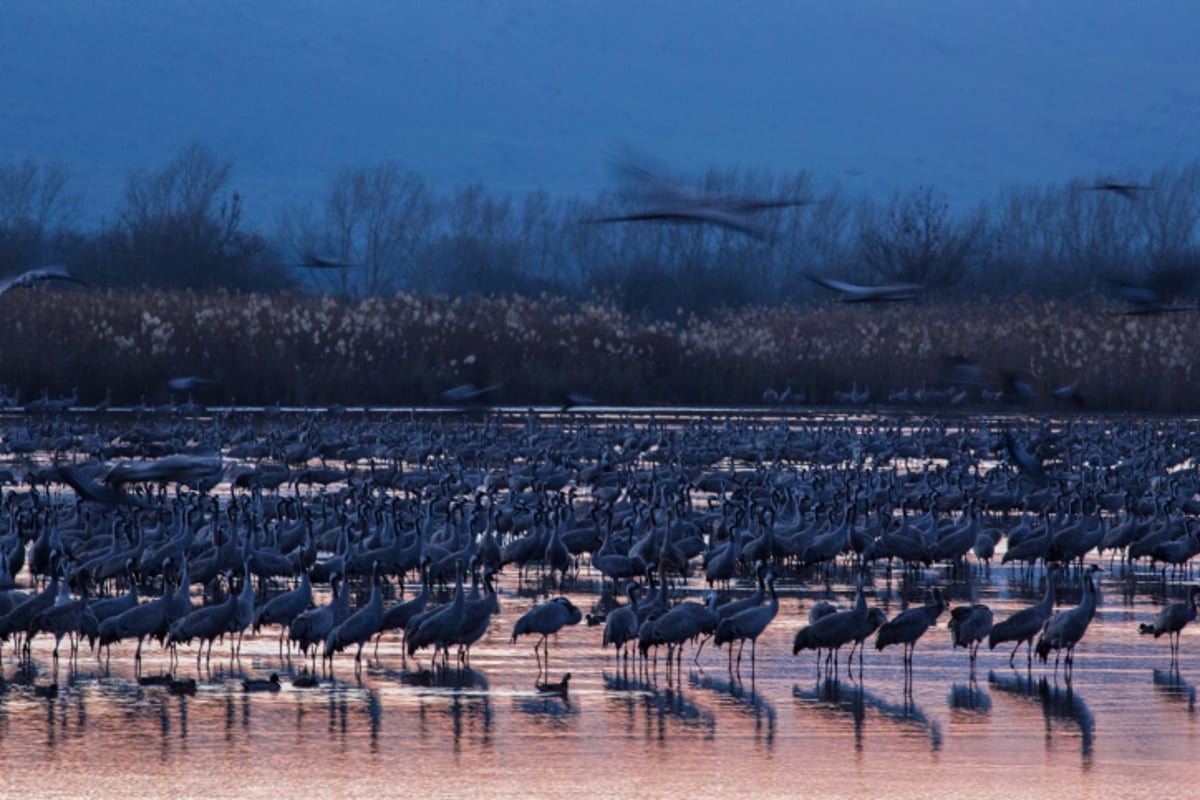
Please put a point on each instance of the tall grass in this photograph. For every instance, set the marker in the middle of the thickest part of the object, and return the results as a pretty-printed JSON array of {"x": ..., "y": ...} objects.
[{"x": 406, "y": 349}]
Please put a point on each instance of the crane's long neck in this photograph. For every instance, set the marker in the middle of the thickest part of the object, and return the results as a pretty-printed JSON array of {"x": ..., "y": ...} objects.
[
  {"x": 1089, "y": 596},
  {"x": 1048, "y": 600},
  {"x": 860, "y": 604}
]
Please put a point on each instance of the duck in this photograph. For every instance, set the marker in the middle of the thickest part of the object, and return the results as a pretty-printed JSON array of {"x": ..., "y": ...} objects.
[
  {"x": 182, "y": 686},
  {"x": 559, "y": 687},
  {"x": 270, "y": 684},
  {"x": 305, "y": 680}
]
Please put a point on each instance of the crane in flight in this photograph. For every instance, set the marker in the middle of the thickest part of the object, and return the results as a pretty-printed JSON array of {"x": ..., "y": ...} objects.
[{"x": 664, "y": 200}]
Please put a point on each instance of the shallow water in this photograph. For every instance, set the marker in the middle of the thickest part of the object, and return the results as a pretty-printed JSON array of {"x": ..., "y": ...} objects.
[{"x": 1124, "y": 726}]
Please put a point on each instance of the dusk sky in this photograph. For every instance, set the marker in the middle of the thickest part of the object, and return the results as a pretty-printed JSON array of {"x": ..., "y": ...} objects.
[{"x": 880, "y": 96}]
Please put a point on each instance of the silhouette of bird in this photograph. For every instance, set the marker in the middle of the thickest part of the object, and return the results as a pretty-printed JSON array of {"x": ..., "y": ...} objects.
[
  {"x": 572, "y": 400},
  {"x": 207, "y": 623},
  {"x": 1070, "y": 394},
  {"x": 970, "y": 625},
  {"x": 476, "y": 619},
  {"x": 468, "y": 394},
  {"x": 909, "y": 626},
  {"x": 621, "y": 624},
  {"x": 544, "y": 620},
  {"x": 666, "y": 201},
  {"x": 399, "y": 615},
  {"x": 189, "y": 383},
  {"x": 877, "y": 293},
  {"x": 270, "y": 684},
  {"x": 558, "y": 687},
  {"x": 748, "y": 624},
  {"x": 1015, "y": 389},
  {"x": 683, "y": 622},
  {"x": 138, "y": 622},
  {"x": 1067, "y": 627},
  {"x": 1024, "y": 460},
  {"x": 306, "y": 680},
  {"x": 1155, "y": 292},
  {"x": 62, "y": 619},
  {"x": 1171, "y": 620},
  {"x": 830, "y": 631},
  {"x": 875, "y": 619},
  {"x": 360, "y": 626},
  {"x": 283, "y": 608},
  {"x": 1025, "y": 624},
  {"x": 1127, "y": 190},
  {"x": 440, "y": 626},
  {"x": 34, "y": 276},
  {"x": 182, "y": 686},
  {"x": 314, "y": 261},
  {"x": 312, "y": 627}
]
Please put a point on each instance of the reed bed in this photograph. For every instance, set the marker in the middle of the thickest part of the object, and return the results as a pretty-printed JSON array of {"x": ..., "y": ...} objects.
[{"x": 406, "y": 349}]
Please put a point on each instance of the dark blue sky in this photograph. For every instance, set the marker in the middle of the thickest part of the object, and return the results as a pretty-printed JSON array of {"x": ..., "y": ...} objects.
[{"x": 967, "y": 97}]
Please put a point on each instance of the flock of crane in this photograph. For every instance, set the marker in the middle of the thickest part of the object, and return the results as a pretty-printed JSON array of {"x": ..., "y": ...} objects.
[{"x": 125, "y": 522}]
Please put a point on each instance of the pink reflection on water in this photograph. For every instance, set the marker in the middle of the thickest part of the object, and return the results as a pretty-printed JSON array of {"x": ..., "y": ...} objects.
[{"x": 1125, "y": 727}]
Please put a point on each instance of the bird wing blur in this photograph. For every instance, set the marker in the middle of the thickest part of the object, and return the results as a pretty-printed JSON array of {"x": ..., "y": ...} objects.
[
  {"x": 856, "y": 293},
  {"x": 34, "y": 276}
]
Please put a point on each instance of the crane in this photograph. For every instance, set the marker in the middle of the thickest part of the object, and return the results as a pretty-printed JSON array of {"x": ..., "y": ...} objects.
[
  {"x": 1067, "y": 627},
  {"x": 544, "y": 620},
  {"x": 1025, "y": 624},
  {"x": 1171, "y": 620}
]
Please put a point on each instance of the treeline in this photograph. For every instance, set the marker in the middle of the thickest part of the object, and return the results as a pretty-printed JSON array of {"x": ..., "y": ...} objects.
[{"x": 181, "y": 227}]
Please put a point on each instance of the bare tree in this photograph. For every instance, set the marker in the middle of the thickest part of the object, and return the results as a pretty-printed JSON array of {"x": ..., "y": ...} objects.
[
  {"x": 378, "y": 220},
  {"x": 1169, "y": 213},
  {"x": 915, "y": 240},
  {"x": 34, "y": 202},
  {"x": 178, "y": 228}
]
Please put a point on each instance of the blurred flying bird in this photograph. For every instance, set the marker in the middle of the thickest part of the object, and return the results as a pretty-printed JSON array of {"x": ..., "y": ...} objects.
[
  {"x": 1024, "y": 460},
  {"x": 1153, "y": 294},
  {"x": 1070, "y": 395},
  {"x": 34, "y": 276},
  {"x": 1015, "y": 388},
  {"x": 857, "y": 293},
  {"x": 467, "y": 394},
  {"x": 1126, "y": 190},
  {"x": 314, "y": 261},
  {"x": 667, "y": 201},
  {"x": 962, "y": 371},
  {"x": 189, "y": 383},
  {"x": 572, "y": 400}
]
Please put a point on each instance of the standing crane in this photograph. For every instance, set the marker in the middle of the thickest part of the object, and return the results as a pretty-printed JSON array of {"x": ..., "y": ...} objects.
[
  {"x": 829, "y": 631},
  {"x": 909, "y": 626},
  {"x": 1171, "y": 620},
  {"x": 969, "y": 626},
  {"x": 1025, "y": 624},
  {"x": 360, "y": 626},
  {"x": 544, "y": 620},
  {"x": 748, "y": 624},
  {"x": 1067, "y": 627}
]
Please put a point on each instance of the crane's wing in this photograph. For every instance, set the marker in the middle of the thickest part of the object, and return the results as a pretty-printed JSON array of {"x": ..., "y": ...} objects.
[
  {"x": 33, "y": 276},
  {"x": 856, "y": 293},
  {"x": 315, "y": 261}
]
